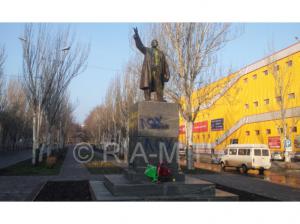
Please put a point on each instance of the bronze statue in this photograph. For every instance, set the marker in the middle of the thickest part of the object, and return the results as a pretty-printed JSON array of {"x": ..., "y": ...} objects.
[{"x": 155, "y": 70}]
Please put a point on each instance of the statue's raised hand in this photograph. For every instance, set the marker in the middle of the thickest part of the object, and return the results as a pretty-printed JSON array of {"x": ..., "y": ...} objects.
[{"x": 136, "y": 34}]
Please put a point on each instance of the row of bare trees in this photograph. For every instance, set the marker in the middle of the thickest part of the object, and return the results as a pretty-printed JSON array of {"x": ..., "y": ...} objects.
[
  {"x": 51, "y": 59},
  {"x": 14, "y": 123},
  {"x": 108, "y": 122},
  {"x": 39, "y": 103}
]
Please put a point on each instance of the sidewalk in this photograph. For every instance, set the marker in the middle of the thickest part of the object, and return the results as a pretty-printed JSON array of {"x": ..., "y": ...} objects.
[
  {"x": 72, "y": 170},
  {"x": 21, "y": 188},
  {"x": 282, "y": 166},
  {"x": 10, "y": 158},
  {"x": 253, "y": 185}
]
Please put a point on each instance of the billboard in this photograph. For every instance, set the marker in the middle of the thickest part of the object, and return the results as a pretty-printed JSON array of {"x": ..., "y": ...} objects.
[
  {"x": 217, "y": 124},
  {"x": 201, "y": 126},
  {"x": 274, "y": 142}
]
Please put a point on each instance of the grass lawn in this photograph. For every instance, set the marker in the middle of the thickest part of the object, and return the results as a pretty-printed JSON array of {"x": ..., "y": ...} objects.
[
  {"x": 98, "y": 166},
  {"x": 25, "y": 168}
]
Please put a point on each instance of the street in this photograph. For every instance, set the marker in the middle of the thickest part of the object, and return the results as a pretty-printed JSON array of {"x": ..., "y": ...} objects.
[{"x": 288, "y": 177}]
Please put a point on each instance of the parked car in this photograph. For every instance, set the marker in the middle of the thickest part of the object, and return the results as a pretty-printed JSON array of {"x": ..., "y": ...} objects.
[
  {"x": 216, "y": 160},
  {"x": 277, "y": 156},
  {"x": 296, "y": 156},
  {"x": 247, "y": 156},
  {"x": 182, "y": 152}
]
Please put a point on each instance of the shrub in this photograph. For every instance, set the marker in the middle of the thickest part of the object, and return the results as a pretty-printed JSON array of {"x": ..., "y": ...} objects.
[{"x": 51, "y": 161}]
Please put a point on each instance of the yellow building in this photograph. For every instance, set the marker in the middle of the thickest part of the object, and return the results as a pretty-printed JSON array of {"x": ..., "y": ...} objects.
[{"x": 249, "y": 105}]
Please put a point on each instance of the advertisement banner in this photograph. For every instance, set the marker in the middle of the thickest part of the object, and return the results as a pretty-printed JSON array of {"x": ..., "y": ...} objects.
[
  {"x": 181, "y": 129},
  {"x": 201, "y": 126},
  {"x": 217, "y": 124},
  {"x": 274, "y": 142}
]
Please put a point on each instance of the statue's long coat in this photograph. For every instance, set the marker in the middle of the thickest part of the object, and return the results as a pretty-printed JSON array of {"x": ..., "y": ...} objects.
[{"x": 146, "y": 81}]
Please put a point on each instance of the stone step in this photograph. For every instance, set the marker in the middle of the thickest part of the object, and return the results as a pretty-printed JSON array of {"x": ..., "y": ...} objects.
[
  {"x": 119, "y": 185},
  {"x": 138, "y": 175},
  {"x": 100, "y": 193}
]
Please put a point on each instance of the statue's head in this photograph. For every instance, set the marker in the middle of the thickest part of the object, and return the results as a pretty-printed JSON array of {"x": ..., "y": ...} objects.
[{"x": 154, "y": 43}]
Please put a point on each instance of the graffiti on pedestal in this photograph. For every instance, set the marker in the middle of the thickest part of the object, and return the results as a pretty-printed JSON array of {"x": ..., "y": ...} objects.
[{"x": 153, "y": 123}]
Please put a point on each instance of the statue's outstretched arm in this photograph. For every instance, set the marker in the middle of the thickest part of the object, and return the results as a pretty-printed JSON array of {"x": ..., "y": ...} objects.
[{"x": 138, "y": 41}]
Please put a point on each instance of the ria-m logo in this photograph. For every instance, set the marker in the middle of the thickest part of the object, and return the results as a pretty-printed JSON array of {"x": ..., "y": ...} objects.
[{"x": 152, "y": 123}]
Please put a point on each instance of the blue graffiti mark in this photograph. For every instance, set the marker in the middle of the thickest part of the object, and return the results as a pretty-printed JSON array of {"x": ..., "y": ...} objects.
[{"x": 153, "y": 123}]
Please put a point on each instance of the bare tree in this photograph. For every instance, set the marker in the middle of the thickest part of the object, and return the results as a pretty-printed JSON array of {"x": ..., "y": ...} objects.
[
  {"x": 130, "y": 95},
  {"x": 283, "y": 77},
  {"x": 2, "y": 61},
  {"x": 191, "y": 52},
  {"x": 94, "y": 124},
  {"x": 64, "y": 120},
  {"x": 2, "y": 96},
  {"x": 109, "y": 121},
  {"x": 14, "y": 122},
  {"x": 50, "y": 61}
]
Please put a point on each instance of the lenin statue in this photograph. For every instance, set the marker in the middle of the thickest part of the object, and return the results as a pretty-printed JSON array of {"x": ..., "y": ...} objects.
[{"x": 155, "y": 70}]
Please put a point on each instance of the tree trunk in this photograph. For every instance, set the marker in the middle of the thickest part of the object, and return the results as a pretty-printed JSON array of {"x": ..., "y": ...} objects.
[
  {"x": 61, "y": 142},
  {"x": 34, "y": 138},
  {"x": 49, "y": 140},
  {"x": 126, "y": 146},
  {"x": 61, "y": 136},
  {"x": 189, "y": 145},
  {"x": 285, "y": 137},
  {"x": 42, "y": 153}
]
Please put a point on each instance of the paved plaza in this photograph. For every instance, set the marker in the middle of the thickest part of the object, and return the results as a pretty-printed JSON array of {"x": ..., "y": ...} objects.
[{"x": 22, "y": 188}]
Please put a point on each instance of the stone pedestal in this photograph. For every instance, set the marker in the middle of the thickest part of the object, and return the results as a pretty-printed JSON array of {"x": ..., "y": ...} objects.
[
  {"x": 153, "y": 138},
  {"x": 153, "y": 135}
]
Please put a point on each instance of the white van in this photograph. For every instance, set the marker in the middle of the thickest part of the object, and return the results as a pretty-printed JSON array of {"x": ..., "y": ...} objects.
[{"x": 247, "y": 156}]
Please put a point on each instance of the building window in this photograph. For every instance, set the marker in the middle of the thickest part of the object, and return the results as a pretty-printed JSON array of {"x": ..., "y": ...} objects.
[
  {"x": 294, "y": 129},
  {"x": 234, "y": 141},
  {"x": 245, "y": 80},
  {"x": 246, "y": 106},
  {"x": 247, "y": 133},
  {"x": 280, "y": 130},
  {"x": 255, "y": 103},
  {"x": 276, "y": 68},
  {"x": 254, "y": 76},
  {"x": 266, "y": 72},
  {"x": 257, "y": 132},
  {"x": 278, "y": 99},
  {"x": 291, "y": 95},
  {"x": 268, "y": 131},
  {"x": 289, "y": 63},
  {"x": 267, "y": 101}
]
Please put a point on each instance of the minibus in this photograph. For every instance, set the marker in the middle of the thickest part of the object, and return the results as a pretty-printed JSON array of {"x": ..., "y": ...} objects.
[{"x": 247, "y": 156}]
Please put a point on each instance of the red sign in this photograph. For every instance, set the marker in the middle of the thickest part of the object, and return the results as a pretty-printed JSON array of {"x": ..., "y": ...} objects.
[
  {"x": 274, "y": 142},
  {"x": 181, "y": 129},
  {"x": 201, "y": 126}
]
